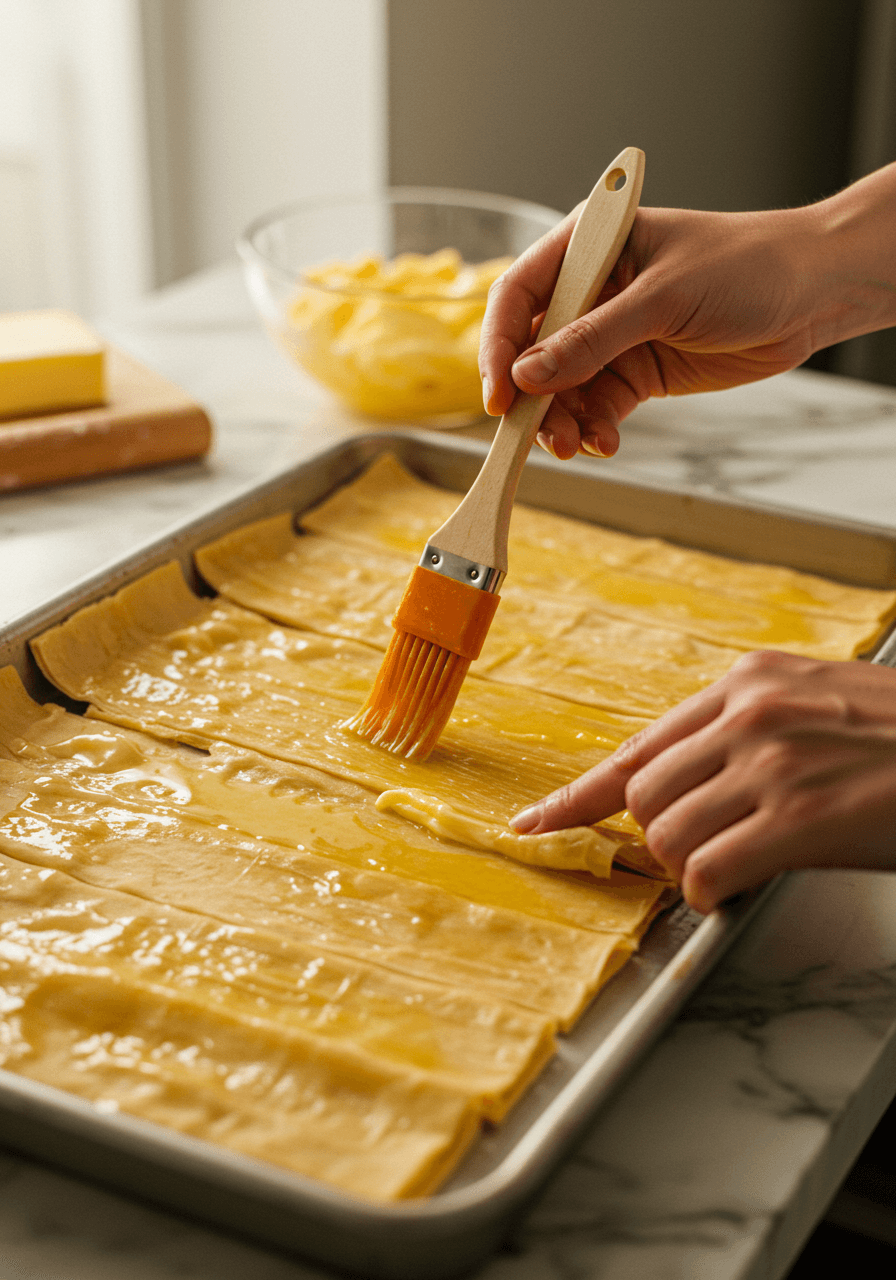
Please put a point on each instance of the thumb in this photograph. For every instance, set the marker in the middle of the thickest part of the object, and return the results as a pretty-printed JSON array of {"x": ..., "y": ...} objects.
[{"x": 575, "y": 353}]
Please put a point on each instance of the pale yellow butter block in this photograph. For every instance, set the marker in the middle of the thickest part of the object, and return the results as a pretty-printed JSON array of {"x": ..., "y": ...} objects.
[{"x": 49, "y": 361}]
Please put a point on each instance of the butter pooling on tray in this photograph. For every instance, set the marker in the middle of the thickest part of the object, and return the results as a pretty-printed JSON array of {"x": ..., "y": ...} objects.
[{"x": 395, "y": 338}]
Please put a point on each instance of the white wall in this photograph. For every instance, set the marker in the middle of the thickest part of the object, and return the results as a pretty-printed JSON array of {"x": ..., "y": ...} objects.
[
  {"x": 72, "y": 126},
  {"x": 139, "y": 137},
  {"x": 23, "y": 274},
  {"x": 257, "y": 104}
]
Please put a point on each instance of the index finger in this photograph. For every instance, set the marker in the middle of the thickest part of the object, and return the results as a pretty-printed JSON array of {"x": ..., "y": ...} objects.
[
  {"x": 521, "y": 293},
  {"x": 601, "y": 791}
]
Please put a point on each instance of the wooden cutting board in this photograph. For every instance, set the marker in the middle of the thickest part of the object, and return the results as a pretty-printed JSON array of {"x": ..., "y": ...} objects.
[{"x": 147, "y": 421}]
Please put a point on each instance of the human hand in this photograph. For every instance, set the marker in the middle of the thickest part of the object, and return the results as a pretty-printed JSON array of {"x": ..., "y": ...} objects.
[
  {"x": 696, "y": 302},
  {"x": 784, "y": 763}
]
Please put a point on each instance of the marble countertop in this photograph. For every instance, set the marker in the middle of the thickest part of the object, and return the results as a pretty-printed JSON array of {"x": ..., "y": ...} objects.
[{"x": 719, "y": 1155}]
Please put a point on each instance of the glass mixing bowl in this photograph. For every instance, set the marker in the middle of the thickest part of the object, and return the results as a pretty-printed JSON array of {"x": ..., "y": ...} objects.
[{"x": 381, "y": 299}]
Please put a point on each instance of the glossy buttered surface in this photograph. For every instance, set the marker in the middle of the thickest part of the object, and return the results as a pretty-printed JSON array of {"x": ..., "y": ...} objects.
[
  {"x": 366, "y": 975},
  {"x": 344, "y": 972},
  {"x": 154, "y": 656}
]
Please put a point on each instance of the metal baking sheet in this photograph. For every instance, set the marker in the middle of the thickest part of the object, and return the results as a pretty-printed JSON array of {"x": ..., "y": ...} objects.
[{"x": 477, "y": 1208}]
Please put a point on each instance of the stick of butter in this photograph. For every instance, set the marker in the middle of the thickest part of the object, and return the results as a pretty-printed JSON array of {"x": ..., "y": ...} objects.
[{"x": 49, "y": 361}]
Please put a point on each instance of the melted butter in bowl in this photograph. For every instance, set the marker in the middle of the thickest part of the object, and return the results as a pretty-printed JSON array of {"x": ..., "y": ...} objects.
[
  {"x": 395, "y": 339},
  {"x": 380, "y": 298}
]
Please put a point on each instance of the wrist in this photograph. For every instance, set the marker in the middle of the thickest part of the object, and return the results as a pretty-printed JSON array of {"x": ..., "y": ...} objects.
[{"x": 850, "y": 245}]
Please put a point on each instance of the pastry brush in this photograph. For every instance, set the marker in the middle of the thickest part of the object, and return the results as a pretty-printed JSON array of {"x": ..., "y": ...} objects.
[{"x": 445, "y": 613}]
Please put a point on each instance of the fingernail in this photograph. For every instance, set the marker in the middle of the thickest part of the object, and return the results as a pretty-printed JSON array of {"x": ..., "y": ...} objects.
[
  {"x": 547, "y": 443},
  {"x": 591, "y": 445},
  {"x": 486, "y": 392},
  {"x": 525, "y": 820},
  {"x": 536, "y": 366}
]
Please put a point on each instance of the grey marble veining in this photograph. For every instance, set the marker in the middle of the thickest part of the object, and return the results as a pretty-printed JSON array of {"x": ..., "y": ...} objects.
[
  {"x": 719, "y": 1154},
  {"x": 701, "y": 1159},
  {"x": 806, "y": 440},
  {"x": 53, "y": 1227}
]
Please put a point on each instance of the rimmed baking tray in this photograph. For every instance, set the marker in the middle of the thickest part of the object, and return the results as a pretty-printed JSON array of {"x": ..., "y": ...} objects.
[{"x": 461, "y": 1224}]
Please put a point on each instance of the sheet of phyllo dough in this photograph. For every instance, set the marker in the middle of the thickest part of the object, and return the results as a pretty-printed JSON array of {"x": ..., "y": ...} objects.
[
  {"x": 711, "y": 598},
  {"x": 156, "y": 657}
]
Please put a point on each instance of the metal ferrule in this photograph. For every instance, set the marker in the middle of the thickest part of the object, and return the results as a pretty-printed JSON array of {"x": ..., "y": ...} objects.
[{"x": 482, "y": 576}]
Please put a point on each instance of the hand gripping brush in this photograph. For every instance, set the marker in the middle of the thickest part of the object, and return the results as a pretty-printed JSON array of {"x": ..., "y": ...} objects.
[{"x": 450, "y": 600}]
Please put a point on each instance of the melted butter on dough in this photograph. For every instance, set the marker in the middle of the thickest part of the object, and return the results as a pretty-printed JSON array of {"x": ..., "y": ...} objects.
[
  {"x": 53, "y": 924},
  {"x": 230, "y": 675},
  {"x": 243, "y": 942},
  {"x": 107, "y": 831},
  {"x": 404, "y": 522},
  {"x": 163, "y": 1057},
  {"x": 241, "y": 791},
  {"x": 560, "y": 646},
  {"x": 745, "y": 606}
]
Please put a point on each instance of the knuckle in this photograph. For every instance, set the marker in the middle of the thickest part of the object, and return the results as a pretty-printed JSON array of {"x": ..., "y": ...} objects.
[
  {"x": 809, "y": 805},
  {"x": 765, "y": 711},
  {"x": 777, "y": 761},
  {"x": 498, "y": 287},
  {"x": 800, "y": 808},
  {"x": 665, "y": 844},
  {"x": 496, "y": 352},
  {"x": 761, "y": 662},
  {"x": 627, "y": 755},
  {"x": 775, "y": 666},
  {"x": 660, "y": 839},
  {"x": 702, "y": 882},
  {"x": 508, "y": 314},
  {"x": 577, "y": 343}
]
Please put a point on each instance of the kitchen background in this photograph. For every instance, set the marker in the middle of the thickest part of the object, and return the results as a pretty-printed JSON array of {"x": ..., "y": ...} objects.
[{"x": 138, "y": 137}]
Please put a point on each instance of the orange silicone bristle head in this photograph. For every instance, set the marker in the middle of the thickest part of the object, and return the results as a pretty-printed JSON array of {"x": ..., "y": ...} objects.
[
  {"x": 422, "y": 674},
  {"x": 413, "y": 697}
]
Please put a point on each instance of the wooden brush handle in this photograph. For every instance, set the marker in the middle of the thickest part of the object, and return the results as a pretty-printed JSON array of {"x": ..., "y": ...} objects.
[{"x": 478, "y": 528}]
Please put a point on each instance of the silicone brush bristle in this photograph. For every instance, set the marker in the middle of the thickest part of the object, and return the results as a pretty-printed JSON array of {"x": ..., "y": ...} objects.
[
  {"x": 413, "y": 696},
  {"x": 421, "y": 675}
]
